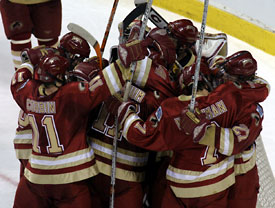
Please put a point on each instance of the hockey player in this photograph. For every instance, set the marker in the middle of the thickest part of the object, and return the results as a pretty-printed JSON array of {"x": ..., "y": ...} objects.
[
  {"x": 199, "y": 175},
  {"x": 61, "y": 159},
  {"x": 158, "y": 52},
  {"x": 72, "y": 47},
  {"x": 245, "y": 162},
  {"x": 176, "y": 43},
  {"x": 22, "y": 18},
  {"x": 165, "y": 48},
  {"x": 158, "y": 87},
  {"x": 132, "y": 161}
]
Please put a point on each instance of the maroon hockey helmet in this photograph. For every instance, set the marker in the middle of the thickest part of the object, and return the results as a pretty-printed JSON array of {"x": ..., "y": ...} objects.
[
  {"x": 184, "y": 31},
  {"x": 241, "y": 63},
  {"x": 75, "y": 45},
  {"x": 52, "y": 67}
]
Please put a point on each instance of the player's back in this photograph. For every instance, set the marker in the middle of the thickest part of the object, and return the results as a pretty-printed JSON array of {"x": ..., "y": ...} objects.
[{"x": 59, "y": 121}]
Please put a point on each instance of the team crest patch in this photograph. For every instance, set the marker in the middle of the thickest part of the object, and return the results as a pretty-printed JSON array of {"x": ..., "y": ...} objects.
[
  {"x": 160, "y": 71},
  {"x": 259, "y": 109},
  {"x": 158, "y": 113},
  {"x": 16, "y": 25}
]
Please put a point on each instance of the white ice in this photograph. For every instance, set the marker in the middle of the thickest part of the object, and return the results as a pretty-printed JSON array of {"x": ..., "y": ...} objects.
[{"x": 93, "y": 15}]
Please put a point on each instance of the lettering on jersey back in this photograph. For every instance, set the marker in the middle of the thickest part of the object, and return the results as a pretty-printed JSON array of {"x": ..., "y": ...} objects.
[
  {"x": 215, "y": 109},
  {"x": 46, "y": 107},
  {"x": 160, "y": 71}
]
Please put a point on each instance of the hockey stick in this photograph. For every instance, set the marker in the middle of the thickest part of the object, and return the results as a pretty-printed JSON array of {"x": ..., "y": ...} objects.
[
  {"x": 123, "y": 26},
  {"x": 197, "y": 69},
  {"x": 134, "y": 14},
  {"x": 77, "y": 29},
  {"x": 157, "y": 20},
  {"x": 109, "y": 25},
  {"x": 125, "y": 23},
  {"x": 125, "y": 98},
  {"x": 113, "y": 170},
  {"x": 141, "y": 35},
  {"x": 137, "y": 12},
  {"x": 154, "y": 16}
]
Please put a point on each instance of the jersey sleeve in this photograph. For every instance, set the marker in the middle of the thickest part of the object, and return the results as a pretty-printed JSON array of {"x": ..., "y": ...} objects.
[
  {"x": 156, "y": 133},
  {"x": 20, "y": 83},
  {"x": 23, "y": 137},
  {"x": 232, "y": 141}
]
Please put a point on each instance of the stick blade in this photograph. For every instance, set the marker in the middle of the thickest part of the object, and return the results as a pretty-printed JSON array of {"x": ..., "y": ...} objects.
[{"x": 77, "y": 29}]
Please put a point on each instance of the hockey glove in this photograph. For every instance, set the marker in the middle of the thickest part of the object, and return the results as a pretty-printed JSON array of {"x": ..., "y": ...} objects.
[
  {"x": 164, "y": 46},
  {"x": 34, "y": 55},
  {"x": 216, "y": 65},
  {"x": 194, "y": 124},
  {"x": 84, "y": 72},
  {"x": 120, "y": 109},
  {"x": 133, "y": 51}
]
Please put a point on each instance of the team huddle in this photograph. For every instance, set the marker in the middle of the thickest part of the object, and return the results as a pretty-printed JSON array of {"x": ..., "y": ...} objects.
[{"x": 73, "y": 107}]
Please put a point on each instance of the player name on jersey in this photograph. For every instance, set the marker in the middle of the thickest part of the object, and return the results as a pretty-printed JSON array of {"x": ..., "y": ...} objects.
[
  {"x": 47, "y": 107},
  {"x": 215, "y": 109}
]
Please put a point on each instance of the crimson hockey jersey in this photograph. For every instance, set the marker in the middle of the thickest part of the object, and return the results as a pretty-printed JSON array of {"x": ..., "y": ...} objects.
[
  {"x": 131, "y": 160},
  {"x": 60, "y": 152},
  {"x": 198, "y": 170}
]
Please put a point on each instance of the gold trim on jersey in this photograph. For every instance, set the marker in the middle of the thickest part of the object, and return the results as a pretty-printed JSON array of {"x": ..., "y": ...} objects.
[
  {"x": 226, "y": 141},
  {"x": 123, "y": 156},
  {"x": 23, "y": 153},
  {"x": 63, "y": 161},
  {"x": 23, "y": 137},
  {"x": 209, "y": 136},
  {"x": 16, "y": 63},
  {"x": 192, "y": 59},
  {"x": 162, "y": 154},
  {"x": 16, "y": 58},
  {"x": 23, "y": 140},
  {"x": 128, "y": 122},
  {"x": 188, "y": 97},
  {"x": 61, "y": 178},
  {"x": 121, "y": 174},
  {"x": 204, "y": 190},
  {"x": 249, "y": 161},
  {"x": 142, "y": 71},
  {"x": 29, "y": 1},
  {"x": 112, "y": 79},
  {"x": 260, "y": 80},
  {"x": 188, "y": 176},
  {"x": 18, "y": 53},
  {"x": 27, "y": 66},
  {"x": 23, "y": 121},
  {"x": 126, "y": 73}
]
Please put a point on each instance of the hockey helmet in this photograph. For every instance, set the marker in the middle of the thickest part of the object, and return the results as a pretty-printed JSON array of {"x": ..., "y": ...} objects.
[
  {"x": 241, "y": 64},
  {"x": 184, "y": 31},
  {"x": 75, "y": 45},
  {"x": 52, "y": 68}
]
